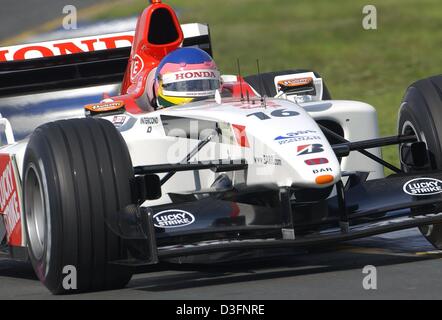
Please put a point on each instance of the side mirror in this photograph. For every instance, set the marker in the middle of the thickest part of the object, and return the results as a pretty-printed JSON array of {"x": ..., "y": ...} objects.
[
  {"x": 146, "y": 187},
  {"x": 414, "y": 155}
]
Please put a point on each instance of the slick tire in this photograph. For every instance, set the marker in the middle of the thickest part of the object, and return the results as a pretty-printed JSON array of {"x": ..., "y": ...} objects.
[
  {"x": 76, "y": 178},
  {"x": 421, "y": 114},
  {"x": 268, "y": 84}
]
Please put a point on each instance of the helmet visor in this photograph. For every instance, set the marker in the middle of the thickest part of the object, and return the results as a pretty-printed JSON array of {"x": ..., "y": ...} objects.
[{"x": 192, "y": 85}]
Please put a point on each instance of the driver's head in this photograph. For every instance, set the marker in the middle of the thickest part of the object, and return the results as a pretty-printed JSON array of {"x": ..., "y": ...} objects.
[{"x": 186, "y": 75}]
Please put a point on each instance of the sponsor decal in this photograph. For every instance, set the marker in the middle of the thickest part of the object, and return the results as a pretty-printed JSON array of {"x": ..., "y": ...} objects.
[
  {"x": 173, "y": 218},
  {"x": 190, "y": 75},
  {"x": 136, "y": 67},
  {"x": 280, "y": 113},
  {"x": 294, "y": 134},
  {"x": 268, "y": 159},
  {"x": 295, "y": 82},
  {"x": 297, "y": 136},
  {"x": 240, "y": 135},
  {"x": 10, "y": 206},
  {"x": 309, "y": 149},
  {"x": 196, "y": 74},
  {"x": 324, "y": 179},
  {"x": 105, "y": 106},
  {"x": 149, "y": 120},
  {"x": 322, "y": 170},
  {"x": 315, "y": 162},
  {"x": 300, "y": 138},
  {"x": 187, "y": 94},
  {"x": 63, "y": 47},
  {"x": 118, "y": 121},
  {"x": 423, "y": 187}
]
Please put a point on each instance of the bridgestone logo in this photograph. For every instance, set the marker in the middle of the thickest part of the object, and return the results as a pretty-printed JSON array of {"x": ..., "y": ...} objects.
[
  {"x": 173, "y": 219},
  {"x": 423, "y": 187}
]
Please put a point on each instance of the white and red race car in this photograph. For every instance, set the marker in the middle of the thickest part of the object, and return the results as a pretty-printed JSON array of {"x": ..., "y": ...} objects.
[{"x": 276, "y": 164}]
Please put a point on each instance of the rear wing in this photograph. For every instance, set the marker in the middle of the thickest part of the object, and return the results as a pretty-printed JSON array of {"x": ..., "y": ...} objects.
[{"x": 75, "y": 63}]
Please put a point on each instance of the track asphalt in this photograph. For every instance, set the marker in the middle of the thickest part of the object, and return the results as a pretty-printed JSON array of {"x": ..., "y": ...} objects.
[{"x": 407, "y": 268}]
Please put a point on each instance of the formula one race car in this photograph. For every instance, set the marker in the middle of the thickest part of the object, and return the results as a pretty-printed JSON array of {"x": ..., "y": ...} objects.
[{"x": 273, "y": 163}]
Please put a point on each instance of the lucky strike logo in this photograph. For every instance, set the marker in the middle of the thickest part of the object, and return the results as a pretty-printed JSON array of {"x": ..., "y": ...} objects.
[
  {"x": 173, "y": 218},
  {"x": 423, "y": 187},
  {"x": 9, "y": 200}
]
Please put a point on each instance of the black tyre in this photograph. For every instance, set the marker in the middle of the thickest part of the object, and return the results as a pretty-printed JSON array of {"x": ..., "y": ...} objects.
[
  {"x": 76, "y": 178},
  {"x": 421, "y": 114},
  {"x": 268, "y": 84}
]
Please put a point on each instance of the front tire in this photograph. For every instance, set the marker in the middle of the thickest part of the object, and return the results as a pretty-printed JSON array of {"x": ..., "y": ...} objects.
[
  {"x": 76, "y": 179},
  {"x": 421, "y": 114}
]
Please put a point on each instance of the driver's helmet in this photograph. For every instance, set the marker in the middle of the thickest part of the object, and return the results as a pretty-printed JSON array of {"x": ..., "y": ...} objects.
[{"x": 186, "y": 75}]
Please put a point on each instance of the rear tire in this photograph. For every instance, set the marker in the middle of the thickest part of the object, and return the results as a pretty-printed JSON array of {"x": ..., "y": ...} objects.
[
  {"x": 268, "y": 84},
  {"x": 76, "y": 179},
  {"x": 421, "y": 114}
]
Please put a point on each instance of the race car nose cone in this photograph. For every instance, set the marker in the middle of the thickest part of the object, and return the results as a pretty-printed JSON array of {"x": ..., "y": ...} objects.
[{"x": 325, "y": 179}]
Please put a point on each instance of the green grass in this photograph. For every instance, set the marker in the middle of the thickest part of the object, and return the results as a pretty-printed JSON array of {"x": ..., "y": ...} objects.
[{"x": 327, "y": 36}]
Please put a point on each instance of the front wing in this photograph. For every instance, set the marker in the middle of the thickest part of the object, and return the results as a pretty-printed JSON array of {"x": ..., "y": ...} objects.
[{"x": 268, "y": 218}]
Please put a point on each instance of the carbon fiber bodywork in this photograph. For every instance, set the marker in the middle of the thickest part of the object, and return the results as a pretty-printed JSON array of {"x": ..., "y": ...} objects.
[{"x": 257, "y": 219}]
